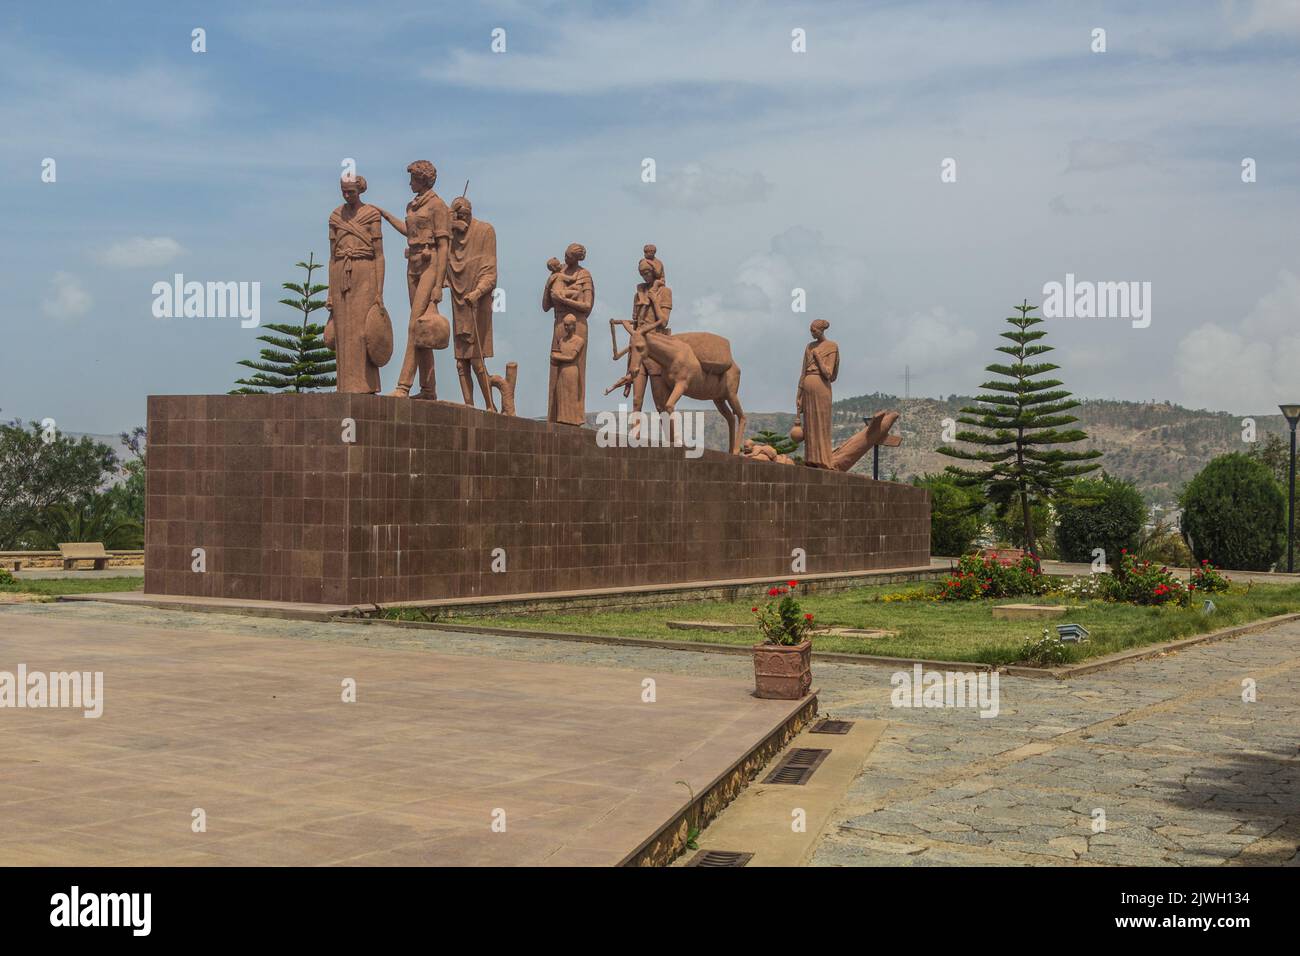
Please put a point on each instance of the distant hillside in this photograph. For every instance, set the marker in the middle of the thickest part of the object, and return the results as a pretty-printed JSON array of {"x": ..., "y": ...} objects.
[{"x": 1156, "y": 444}]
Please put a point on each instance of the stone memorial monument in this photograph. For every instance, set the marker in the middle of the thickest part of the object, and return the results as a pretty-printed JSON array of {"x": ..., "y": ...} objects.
[{"x": 356, "y": 498}]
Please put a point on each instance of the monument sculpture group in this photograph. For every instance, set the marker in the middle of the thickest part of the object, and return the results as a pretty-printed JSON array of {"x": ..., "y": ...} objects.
[
  {"x": 359, "y": 497},
  {"x": 448, "y": 248}
]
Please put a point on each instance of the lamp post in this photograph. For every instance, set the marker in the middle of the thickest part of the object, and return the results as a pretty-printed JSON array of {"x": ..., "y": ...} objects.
[{"x": 1292, "y": 415}]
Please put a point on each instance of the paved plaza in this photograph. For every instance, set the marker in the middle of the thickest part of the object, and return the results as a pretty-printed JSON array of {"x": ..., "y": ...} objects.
[
  {"x": 441, "y": 759},
  {"x": 1158, "y": 762}
]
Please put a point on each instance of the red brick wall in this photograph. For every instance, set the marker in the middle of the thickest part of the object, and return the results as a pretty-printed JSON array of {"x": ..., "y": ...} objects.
[{"x": 285, "y": 510}]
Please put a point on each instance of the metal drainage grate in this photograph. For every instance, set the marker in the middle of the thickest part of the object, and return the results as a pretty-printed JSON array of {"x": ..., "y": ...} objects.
[
  {"x": 829, "y": 726},
  {"x": 797, "y": 766},
  {"x": 716, "y": 858}
]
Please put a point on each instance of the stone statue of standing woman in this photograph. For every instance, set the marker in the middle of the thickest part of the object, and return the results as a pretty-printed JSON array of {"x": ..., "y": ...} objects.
[
  {"x": 570, "y": 290},
  {"x": 821, "y": 366},
  {"x": 358, "y": 329}
]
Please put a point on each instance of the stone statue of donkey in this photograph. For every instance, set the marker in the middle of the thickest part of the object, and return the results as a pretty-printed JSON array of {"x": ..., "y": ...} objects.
[{"x": 693, "y": 364}]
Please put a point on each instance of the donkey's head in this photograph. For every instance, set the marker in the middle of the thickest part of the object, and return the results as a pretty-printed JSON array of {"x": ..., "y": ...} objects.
[{"x": 636, "y": 346}]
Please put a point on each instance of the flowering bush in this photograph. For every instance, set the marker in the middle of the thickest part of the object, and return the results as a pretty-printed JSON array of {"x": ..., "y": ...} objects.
[
  {"x": 1208, "y": 578},
  {"x": 1141, "y": 582},
  {"x": 1047, "y": 650},
  {"x": 781, "y": 619},
  {"x": 978, "y": 577},
  {"x": 1085, "y": 587}
]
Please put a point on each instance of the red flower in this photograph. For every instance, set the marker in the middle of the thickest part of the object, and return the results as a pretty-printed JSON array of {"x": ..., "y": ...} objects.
[
  {"x": 754, "y": 609},
  {"x": 772, "y": 592},
  {"x": 808, "y": 617},
  {"x": 793, "y": 584}
]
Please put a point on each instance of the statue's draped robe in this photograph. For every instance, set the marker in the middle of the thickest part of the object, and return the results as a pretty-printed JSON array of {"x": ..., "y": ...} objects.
[
  {"x": 566, "y": 403},
  {"x": 353, "y": 276},
  {"x": 821, "y": 365},
  {"x": 576, "y": 285},
  {"x": 472, "y": 267},
  {"x": 643, "y": 313}
]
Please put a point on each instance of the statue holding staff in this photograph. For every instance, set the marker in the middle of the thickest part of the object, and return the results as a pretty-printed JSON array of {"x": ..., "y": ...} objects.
[{"x": 472, "y": 278}]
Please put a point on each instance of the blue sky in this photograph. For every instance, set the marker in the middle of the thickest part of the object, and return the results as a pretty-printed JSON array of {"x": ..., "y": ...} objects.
[{"x": 776, "y": 170}]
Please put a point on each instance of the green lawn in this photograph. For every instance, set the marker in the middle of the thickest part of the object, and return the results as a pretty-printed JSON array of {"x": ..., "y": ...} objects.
[
  {"x": 956, "y": 630},
  {"x": 52, "y": 587}
]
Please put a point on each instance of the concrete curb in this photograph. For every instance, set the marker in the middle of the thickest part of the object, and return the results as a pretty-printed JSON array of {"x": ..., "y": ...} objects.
[
  {"x": 1150, "y": 650},
  {"x": 703, "y": 647}
]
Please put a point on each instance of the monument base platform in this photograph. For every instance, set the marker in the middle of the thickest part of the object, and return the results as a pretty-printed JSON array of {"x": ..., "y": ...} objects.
[{"x": 361, "y": 499}]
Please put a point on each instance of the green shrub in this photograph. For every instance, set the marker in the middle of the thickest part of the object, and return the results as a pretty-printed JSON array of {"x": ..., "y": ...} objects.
[
  {"x": 954, "y": 514},
  {"x": 1208, "y": 578},
  {"x": 1234, "y": 514},
  {"x": 1103, "y": 512},
  {"x": 1045, "y": 651},
  {"x": 1141, "y": 582},
  {"x": 1009, "y": 526},
  {"x": 978, "y": 577},
  {"x": 1162, "y": 544},
  {"x": 6, "y": 577}
]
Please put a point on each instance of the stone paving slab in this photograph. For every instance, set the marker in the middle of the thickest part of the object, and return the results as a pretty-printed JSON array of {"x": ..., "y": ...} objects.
[
  {"x": 1185, "y": 771},
  {"x": 253, "y": 730}
]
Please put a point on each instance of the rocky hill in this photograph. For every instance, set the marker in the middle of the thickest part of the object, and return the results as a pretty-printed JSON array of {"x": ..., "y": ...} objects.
[{"x": 1158, "y": 445}]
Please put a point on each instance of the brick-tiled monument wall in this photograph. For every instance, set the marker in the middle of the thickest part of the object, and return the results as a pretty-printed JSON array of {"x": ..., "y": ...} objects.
[{"x": 286, "y": 510}]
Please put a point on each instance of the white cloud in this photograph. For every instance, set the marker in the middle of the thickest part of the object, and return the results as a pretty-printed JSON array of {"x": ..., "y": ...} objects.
[
  {"x": 140, "y": 251},
  {"x": 68, "y": 298},
  {"x": 1263, "y": 16},
  {"x": 695, "y": 186},
  {"x": 1250, "y": 368},
  {"x": 1059, "y": 206},
  {"x": 1091, "y": 155},
  {"x": 932, "y": 340}
]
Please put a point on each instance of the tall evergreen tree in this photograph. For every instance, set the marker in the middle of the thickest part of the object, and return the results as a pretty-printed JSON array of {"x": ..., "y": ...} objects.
[
  {"x": 1020, "y": 421},
  {"x": 297, "y": 360}
]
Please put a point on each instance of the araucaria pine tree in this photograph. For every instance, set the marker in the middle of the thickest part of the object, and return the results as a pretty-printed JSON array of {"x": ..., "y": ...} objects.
[
  {"x": 297, "y": 360},
  {"x": 1020, "y": 425}
]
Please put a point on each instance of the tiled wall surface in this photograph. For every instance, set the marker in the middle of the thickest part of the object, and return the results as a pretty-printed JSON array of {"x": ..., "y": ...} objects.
[{"x": 286, "y": 510}]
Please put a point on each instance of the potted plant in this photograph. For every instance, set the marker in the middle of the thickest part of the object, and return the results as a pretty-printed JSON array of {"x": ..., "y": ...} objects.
[{"x": 783, "y": 661}]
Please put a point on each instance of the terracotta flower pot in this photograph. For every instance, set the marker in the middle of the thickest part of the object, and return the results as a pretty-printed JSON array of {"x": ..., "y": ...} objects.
[{"x": 782, "y": 672}]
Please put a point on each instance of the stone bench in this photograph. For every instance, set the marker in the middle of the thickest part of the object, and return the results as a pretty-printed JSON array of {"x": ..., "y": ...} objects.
[{"x": 73, "y": 551}]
